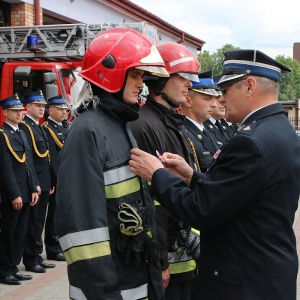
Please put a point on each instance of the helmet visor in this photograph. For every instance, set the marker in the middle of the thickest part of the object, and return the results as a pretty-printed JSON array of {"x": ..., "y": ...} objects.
[
  {"x": 190, "y": 76},
  {"x": 155, "y": 70}
]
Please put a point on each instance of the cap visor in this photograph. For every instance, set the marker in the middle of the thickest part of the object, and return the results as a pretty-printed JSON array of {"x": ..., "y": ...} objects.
[
  {"x": 227, "y": 78},
  {"x": 211, "y": 92}
]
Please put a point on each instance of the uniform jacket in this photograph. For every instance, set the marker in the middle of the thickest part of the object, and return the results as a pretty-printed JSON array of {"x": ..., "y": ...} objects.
[
  {"x": 218, "y": 136},
  {"x": 56, "y": 136},
  {"x": 93, "y": 180},
  {"x": 228, "y": 129},
  {"x": 18, "y": 178},
  {"x": 205, "y": 145},
  {"x": 161, "y": 129},
  {"x": 38, "y": 139},
  {"x": 245, "y": 210}
]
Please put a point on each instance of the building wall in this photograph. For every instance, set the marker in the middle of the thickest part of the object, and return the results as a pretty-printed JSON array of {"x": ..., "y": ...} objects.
[
  {"x": 23, "y": 14},
  {"x": 296, "y": 51},
  {"x": 81, "y": 11}
]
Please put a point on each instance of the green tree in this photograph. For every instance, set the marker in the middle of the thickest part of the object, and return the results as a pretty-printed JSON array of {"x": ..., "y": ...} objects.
[
  {"x": 289, "y": 82},
  {"x": 214, "y": 61}
]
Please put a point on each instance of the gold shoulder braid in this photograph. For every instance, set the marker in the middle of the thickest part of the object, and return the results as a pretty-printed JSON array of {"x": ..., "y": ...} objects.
[
  {"x": 20, "y": 160},
  {"x": 55, "y": 138},
  {"x": 195, "y": 155},
  {"x": 34, "y": 144}
]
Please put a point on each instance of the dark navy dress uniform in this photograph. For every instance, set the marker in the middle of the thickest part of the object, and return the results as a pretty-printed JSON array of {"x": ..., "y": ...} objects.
[
  {"x": 38, "y": 139},
  {"x": 215, "y": 133},
  {"x": 18, "y": 180},
  {"x": 228, "y": 129},
  {"x": 56, "y": 135},
  {"x": 205, "y": 145},
  {"x": 245, "y": 204}
]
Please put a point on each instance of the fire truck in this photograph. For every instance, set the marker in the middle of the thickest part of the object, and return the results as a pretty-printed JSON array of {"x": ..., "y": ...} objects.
[{"x": 49, "y": 57}]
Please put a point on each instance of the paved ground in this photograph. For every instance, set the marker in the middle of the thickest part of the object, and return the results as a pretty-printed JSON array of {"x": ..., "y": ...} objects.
[{"x": 53, "y": 285}]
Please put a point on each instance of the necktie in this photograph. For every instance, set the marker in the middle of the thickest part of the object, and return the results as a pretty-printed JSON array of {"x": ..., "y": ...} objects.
[
  {"x": 219, "y": 126},
  {"x": 21, "y": 137}
]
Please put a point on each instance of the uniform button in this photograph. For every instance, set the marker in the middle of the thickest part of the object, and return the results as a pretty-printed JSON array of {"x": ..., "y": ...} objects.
[{"x": 216, "y": 273}]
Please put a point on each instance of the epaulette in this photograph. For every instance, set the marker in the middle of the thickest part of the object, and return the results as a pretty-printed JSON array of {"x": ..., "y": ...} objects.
[
  {"x": 247, "y": 129},
  {"x": 1, "y": 130},
  {"x": 23, "y": 122},
  {"x": 45, "y": 124}
]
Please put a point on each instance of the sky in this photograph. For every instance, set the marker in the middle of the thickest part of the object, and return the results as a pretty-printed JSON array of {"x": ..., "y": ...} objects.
[{"x": 267, "y": 25}]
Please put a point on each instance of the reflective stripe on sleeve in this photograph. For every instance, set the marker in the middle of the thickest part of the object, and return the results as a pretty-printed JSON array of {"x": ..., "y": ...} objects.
[
  {"x": 140, "y": 292},
  {"x": 84, "y": 237},
  {"x": 87, "y": 252},
  {"x": 180, "y": 263}
]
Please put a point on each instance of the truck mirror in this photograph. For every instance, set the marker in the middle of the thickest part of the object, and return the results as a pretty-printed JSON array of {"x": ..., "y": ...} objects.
[
  {"x": 22, "y": 71},
  {"x": 51, "y": 90},
  {"x": 50, "y": 77}
]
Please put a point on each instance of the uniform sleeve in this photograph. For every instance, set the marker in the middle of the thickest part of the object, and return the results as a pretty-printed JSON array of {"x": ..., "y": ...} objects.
[
  {"x": 9, "y": 183},
  {"x": 233, "y": 181},
  {"x": 53, "y": 157},
  {"x": 81, "y": 216}
]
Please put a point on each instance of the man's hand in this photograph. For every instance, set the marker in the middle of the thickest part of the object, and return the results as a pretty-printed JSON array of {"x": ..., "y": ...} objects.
[
  {"x": 144, "y": 164},
  {"x": 39, "y": 190},
  {"x": 178, "y": 166},
  {"x": 17, "y": 203},
  {"x": 52, "y": 190},
  {"x": 165, "y": 277},
  {"x": 34, "y": 198}
]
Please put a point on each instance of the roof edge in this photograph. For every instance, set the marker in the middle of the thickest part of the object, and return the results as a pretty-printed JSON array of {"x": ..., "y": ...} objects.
[{"x": 144, "y": 15}]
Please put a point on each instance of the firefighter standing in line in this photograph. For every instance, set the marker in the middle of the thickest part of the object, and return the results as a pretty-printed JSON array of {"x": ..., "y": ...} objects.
[
  {"x": 56, "y": 134},
  {"x": 36, "y": 135},
  {"x": 104, "y": 213},
  {"x": 198, "y": 107},
  {"x": 160, "y": 128},
  {"x": 20, "y": 187}
]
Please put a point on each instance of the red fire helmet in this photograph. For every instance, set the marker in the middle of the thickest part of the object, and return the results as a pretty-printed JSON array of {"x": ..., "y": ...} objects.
[
  {"x": 179, "y": 59},
  {"x": 113, "y": 52}
]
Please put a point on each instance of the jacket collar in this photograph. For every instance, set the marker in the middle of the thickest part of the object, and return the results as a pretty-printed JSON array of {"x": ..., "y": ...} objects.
[
  {"x": 263, "y": 112},
  {"x": 117, "y": 108}
]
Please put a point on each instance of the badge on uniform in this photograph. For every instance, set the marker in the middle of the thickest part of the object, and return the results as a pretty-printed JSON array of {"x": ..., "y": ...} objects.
[
  {"x": 247, "y": 128},
  {"x": 217, "y": 154}
]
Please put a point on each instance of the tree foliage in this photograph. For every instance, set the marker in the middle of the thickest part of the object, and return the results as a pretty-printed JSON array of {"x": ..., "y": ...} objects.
[{"x": 289, "y": 82}]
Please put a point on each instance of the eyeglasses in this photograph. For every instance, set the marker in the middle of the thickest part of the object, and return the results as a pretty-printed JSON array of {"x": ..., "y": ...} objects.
[{"x": 225, "y": 87}]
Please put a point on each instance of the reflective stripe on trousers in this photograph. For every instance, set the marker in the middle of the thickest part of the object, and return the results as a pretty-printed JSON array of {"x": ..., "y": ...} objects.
[{"x": 140, "y": 292}]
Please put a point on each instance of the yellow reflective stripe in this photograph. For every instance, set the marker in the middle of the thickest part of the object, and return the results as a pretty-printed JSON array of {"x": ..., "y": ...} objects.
[
  {"x": 182, "y": 267},
  {"x": 87, "y": 252},
  {"x": 156, "y": 202},
  {"x": 196, "y": 231},
  {"x": 123, "y": 188},
  {"x": 117, "y": 175},
  {"x": 84, "y": 237}
]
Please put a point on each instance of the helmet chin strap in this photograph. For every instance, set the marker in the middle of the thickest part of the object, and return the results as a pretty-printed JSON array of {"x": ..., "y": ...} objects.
[
  {"x": 169, "y": 101},
  {"x": 159, "y": 91}
]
